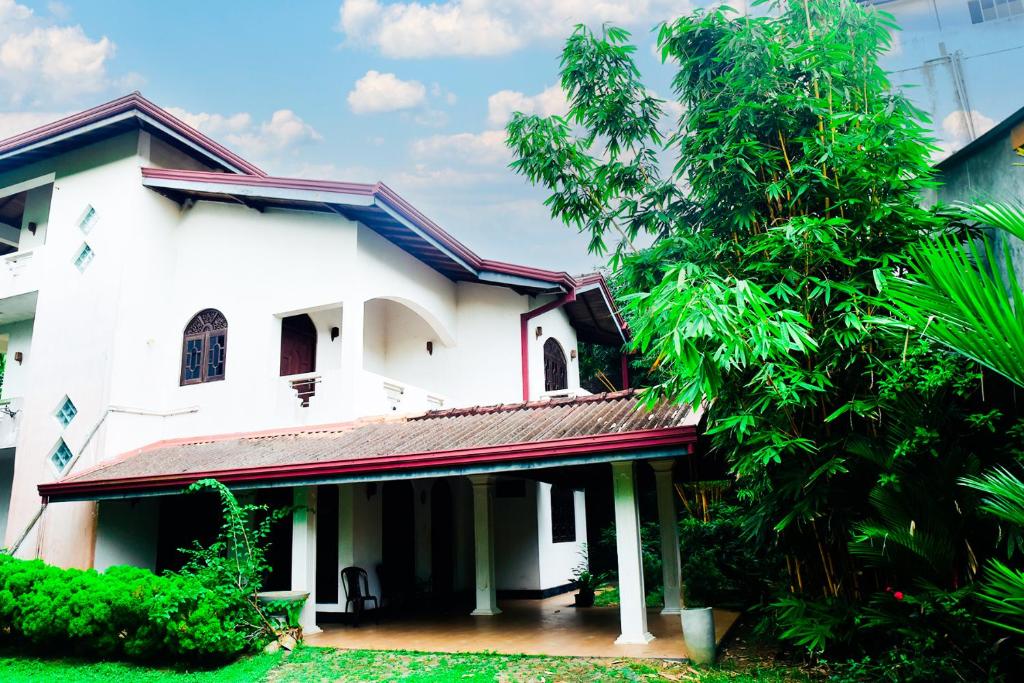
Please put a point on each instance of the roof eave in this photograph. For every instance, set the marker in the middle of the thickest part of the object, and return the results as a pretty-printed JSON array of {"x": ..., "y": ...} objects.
[{"x": 600, "y": 448}]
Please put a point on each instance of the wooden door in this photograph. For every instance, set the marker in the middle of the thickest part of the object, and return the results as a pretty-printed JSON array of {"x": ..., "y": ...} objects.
[{"x": 298, "y": 352}]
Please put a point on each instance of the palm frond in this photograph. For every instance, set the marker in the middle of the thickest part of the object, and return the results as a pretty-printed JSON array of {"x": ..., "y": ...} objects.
[
  {"x": 1003, "y": 591},
  {"x": 960, "y": 296},
  {"x": 1004, "y": 494}
]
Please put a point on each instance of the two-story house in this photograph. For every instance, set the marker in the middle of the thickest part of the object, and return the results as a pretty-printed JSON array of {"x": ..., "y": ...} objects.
[{"x": 169, "y": 312}]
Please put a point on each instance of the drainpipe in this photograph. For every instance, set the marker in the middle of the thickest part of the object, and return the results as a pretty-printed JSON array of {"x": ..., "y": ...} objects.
[
  {"x": 524, "y": 337},
  {"x": 624, "y": 369},
  {"x": 88, "y": 439}
]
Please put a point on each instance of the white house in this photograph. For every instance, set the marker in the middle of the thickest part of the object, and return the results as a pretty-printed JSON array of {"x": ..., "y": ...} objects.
[{"x": 169, "y": 312}]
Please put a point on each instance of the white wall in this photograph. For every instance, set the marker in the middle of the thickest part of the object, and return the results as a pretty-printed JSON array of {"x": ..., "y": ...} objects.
[
  {"x": 112, "y": 336},
  {"x": 517, "y": 563},
  {"x": 557, "y": 560},
  {"x": 126, "y": 533},
  {"x": 18, "y": 339}
]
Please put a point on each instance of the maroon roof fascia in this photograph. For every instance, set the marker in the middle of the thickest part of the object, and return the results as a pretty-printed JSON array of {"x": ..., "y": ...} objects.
[
  {"x": 119, "y": 106},
  {"x": 487, "y": 455},
  {"x": 381, "y": 192}
]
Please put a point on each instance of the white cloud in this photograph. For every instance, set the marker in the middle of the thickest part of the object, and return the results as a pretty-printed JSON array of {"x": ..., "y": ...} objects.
[
  {"x": 955, "y": 125},
  {"x": 485, "y": 148},
  {"x": 13, "y": 123},
  {"x": 502, "y": 104},
  {"x": 485, "y": 27},
  {"x": 283, "y": 131},
  {"x": 43, "y": 62},
  {"x": 379, "y": 92}
]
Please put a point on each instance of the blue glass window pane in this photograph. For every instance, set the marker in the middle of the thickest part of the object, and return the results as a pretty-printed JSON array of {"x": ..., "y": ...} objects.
[
  {"x": 215, "y": 356},
  {"x": 193, "y": 361}
]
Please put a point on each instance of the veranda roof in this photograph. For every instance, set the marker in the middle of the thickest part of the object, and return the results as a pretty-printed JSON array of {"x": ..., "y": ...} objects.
[{"x": 548, "y": 433}]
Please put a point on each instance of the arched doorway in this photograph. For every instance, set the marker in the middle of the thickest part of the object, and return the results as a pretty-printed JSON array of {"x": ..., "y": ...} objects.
[
  {"x": 442, "y": 539},
  {"x": 298, "y": 352}
]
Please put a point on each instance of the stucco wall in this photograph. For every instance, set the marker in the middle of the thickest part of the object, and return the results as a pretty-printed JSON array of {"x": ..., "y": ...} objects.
[
  {"x": 110, "y": 337},
  {"x": 993, "y": 173},
  {"x": 517, "y": 563},
  {"x": 126, "y": 533},
  {"x": 558, "y": 560}
]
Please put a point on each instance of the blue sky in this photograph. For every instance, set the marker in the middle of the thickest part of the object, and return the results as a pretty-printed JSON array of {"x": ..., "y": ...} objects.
[
  {"x": 411, "y": 93},
  {"x": 426, "y": 130}
]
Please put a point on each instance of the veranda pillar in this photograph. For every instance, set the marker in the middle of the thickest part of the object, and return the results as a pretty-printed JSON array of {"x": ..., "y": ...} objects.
[
  {"x": 632, "y": 607},
  {"x": 483, "y": 535},
  {"x": 304, "y": 554},
  {"x": 669, "y": 524}
]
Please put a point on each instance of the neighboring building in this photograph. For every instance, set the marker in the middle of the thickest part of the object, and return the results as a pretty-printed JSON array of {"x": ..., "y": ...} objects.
[
  {"x": 990, "y": 169},
  {"x": 952, "y": 58},
  {"x": 169, "y": 312}
]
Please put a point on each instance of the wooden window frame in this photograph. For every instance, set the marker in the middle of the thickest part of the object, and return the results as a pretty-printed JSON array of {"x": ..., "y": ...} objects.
[
  {"x": 552, "y": 343},
  {"x": 204, "y": 349},
  {"x": 560, "y": 531}
]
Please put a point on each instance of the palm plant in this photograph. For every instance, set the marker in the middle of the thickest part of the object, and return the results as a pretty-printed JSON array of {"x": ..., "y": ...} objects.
[{"x": 967, "y": 296}]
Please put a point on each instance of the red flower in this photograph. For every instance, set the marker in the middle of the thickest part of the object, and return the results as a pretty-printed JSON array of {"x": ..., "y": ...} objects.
[
  {"x": 898, "y": 595},
  {"x": 888, "y": 589}
]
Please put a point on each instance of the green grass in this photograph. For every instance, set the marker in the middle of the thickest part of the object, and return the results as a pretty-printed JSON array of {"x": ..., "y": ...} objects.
[{"x": 324, "y": 664}]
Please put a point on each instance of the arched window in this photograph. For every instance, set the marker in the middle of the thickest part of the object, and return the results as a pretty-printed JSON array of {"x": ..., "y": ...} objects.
[
  {"x": 204, "y": 348},
  {"x": 556, "y": 376}
]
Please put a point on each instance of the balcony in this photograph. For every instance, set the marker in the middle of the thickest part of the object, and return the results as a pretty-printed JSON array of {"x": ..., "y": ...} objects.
[
  {"x": 10, "y": 419},
  {"x": 326, "y": 397},
  {"x": 18, "y": 273}
]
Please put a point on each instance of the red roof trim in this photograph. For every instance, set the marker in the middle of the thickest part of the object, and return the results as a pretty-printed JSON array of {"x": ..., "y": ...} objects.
[
  {"x": 507, "y": 453},
  {"x": 381, "y": 192},
  {"x": 123, "y": 104}
]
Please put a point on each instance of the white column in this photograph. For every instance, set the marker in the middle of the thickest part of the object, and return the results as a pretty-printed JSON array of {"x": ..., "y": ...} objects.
[
  {"x": 632, "y": 608},
  {"x": 304, "y": 554},
  {"x": 669, "y": 524},
  {"x": 346, "y": 533},
  {"x": 483, "y": 535},
  {"x": 351, "y": 357},
  {"x": 421, "y": 507}
]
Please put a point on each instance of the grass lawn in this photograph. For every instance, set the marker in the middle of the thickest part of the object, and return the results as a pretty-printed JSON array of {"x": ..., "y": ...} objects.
[{"x": 324, "y": 664}]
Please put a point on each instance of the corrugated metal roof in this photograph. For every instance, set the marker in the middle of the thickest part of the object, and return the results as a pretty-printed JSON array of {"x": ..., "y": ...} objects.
[{"x": 450, "y": 438}]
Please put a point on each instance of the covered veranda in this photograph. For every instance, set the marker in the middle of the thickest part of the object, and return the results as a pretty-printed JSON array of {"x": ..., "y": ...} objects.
[{"x": 336, "y": 473}]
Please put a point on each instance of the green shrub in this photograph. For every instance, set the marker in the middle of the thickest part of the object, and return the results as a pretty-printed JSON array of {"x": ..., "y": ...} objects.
[{"x": 123, "y": 613}]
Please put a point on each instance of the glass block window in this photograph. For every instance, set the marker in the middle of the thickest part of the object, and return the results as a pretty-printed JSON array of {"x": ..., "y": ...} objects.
[
  {"x": 84, "y": 257},
  {"x": 66, "y": 412},
  {"x": 204, "y": 348},
  {"x": 563, "y": 515},
  {"x": 990, "y": 10},
  {"x": 61, "y": 456},
  {"x": 88, "y": 220}
]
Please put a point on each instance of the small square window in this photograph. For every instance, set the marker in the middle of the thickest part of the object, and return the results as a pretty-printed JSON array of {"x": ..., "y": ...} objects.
[
  {"x": 66, "y": 412},
  {"x": 61, "y": 457},
  {"x": 88, "y": 220},
  {"x": 84, "y": 257}
]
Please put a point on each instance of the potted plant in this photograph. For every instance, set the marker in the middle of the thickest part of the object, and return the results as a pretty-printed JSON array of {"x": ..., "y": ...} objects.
[
  {"x": 698, "y": 627},
  {"x": 585, "y": 581}
]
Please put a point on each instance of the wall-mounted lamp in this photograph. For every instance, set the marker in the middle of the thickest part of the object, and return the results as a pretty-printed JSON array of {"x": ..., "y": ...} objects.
[
  {"x": 32, "y": 227},
  {"x": 430, "y": 348},
  {"x": 18, "y": 357},
  {"x": 335, "y": 332},
  {"x": 572, "y": 354},
  {"x": 538, "y": 332}
]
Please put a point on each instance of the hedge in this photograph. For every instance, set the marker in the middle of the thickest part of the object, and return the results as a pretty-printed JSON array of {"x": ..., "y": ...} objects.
[{"x": 125, "y": 612}]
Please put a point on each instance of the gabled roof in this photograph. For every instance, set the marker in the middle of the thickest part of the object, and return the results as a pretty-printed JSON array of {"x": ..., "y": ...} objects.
[
  {"x": 382, "y": 210},
  {"x": 377, "y": 206},
  {"x": 1000, "y": 130},
  {"x": 549, "y": 433},
  {"x": 131, "y": 112}
]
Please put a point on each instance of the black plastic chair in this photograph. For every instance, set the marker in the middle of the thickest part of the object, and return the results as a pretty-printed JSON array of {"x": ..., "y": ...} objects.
[{"x": 357, "y": 591}]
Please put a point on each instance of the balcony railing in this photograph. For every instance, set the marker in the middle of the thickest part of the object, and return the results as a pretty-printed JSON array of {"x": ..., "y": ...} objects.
[{"x": 18, "y": 273}]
